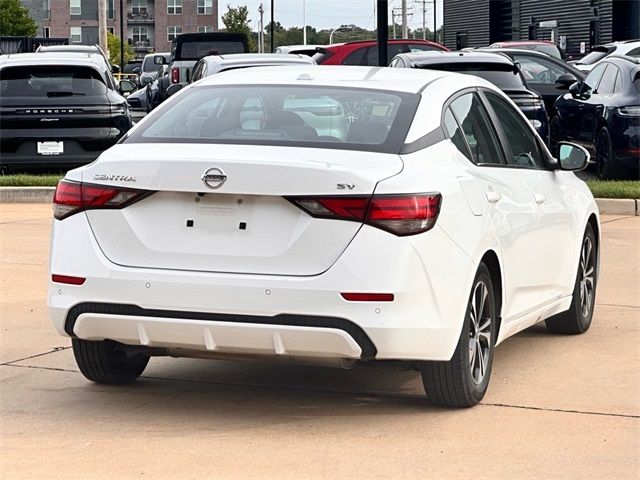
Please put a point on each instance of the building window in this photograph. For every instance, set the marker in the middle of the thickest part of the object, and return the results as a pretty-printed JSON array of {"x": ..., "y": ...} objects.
[
  {"x": 174, "y": 7},
  {"x": 75, "y": 7},
  {"x": 111, "y": 13},
  {"x": 205, "y": 29},
  {"x": 111, "y": 30},
  {"x": 140, "y": 34},
  {"x": 173, "y": 32},
  {"x": 205, "y": 7},
  {"x": 46, "y": 9},
  {"x": 139, "y": 6},
  {"x": 76, "y": 34},
  {"x": 46, "y": 32}
]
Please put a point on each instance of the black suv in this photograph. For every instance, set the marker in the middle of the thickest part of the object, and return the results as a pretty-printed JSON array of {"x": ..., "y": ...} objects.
[
  {"x": 58, "y": 110},
  {"x": 602, "y": 113}
]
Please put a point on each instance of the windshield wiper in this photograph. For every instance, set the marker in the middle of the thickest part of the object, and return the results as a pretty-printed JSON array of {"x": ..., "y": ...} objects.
[{"x": 63, "y": 94}]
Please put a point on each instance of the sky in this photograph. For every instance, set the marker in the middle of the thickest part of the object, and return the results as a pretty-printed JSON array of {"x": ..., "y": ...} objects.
[{"x": 319, "y": 12}]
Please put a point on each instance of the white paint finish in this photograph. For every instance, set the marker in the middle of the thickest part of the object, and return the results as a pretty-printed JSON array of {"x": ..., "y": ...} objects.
[{"x": 532, "y": 220}]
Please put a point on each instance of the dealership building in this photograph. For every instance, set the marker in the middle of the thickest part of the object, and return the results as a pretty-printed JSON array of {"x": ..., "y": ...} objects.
[{"x": 575, "y": 25}]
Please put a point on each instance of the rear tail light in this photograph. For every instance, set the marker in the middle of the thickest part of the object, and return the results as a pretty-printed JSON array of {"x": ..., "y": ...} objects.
[
  {"x": 175, "y": 75},
  {"x": 74, "y": 197},
  {"x": 398, "y": 214}
]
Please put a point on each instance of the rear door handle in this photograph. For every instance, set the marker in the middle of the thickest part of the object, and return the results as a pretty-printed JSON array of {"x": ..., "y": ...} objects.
[
  {"x": 493, "y": 196},
  {"x": 539, "y": 198}
]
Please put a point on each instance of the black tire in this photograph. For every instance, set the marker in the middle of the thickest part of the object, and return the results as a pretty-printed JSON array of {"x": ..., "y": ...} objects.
[
  {"x": 555, "y": 135},
  {"x": 103, "y": 362},
  {"x": 578, "y": 319},
  {"x": 457, "y": 383},
  {"x": 606, "y": 165}
]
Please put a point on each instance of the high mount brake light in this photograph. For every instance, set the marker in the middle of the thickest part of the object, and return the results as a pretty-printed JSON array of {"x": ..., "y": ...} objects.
[
  {"x": 398, "y": 214},
  {"x": 74, "y": 197}
]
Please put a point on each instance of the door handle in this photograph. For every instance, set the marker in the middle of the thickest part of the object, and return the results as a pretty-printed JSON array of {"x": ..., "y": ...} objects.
[
  {"x": 539, "y": 198},
  {"x": 493, "y": 196}
]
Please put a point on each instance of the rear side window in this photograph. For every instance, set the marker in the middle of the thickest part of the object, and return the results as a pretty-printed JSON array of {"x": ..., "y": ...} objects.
[
  {"x": 356, "y": 57},
  {"x": 51, "y": 81},
  {"x": 371, "y": 58},
  {"x": 319, "y": 117},
  {"x": 197, "y": 50},
  {"x": 455, "y": 133},
  {"x": 522, "y": 146},
  {"x": 478, "y": 129}
]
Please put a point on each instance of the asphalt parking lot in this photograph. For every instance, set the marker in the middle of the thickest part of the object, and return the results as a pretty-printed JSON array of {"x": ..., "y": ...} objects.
[{"x": 557, "y": 406}]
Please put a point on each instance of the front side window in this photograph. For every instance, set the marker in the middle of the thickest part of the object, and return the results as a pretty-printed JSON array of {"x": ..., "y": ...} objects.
[
  {"x": 478, "y": 129},
  {"x": 539, "y": 70},
  {"x": 591, "y": 82},
  {"x": 608, "y": 82},
  {"x": 319, "y": 117},
  {"x": 75, "y": 7},
  {"x": 205, "y": 7},
  {"x": 522, "y": 147},
  {"x": 75, "y": 33},
  {"x": 174, "y": 7},
  {"x": 173, "y": 32}
]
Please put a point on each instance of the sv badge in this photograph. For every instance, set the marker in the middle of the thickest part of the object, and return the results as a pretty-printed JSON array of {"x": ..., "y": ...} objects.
[{"x": 346, "y": 186}]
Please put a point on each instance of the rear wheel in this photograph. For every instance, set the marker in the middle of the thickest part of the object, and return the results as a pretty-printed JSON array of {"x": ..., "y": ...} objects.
[
  {"x": 463, "y": 380},
  {"x": 104, "y": 362},
  {"x": 578, "y": 318},
  {"x": 606, "y": 166}
]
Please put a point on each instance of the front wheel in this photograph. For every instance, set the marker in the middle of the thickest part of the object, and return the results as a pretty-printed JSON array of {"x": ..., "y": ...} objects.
[
  {"x": 104, "y": 362},
  {"x": 463, "y": 380},
  {"x": 578, "y": 318}
]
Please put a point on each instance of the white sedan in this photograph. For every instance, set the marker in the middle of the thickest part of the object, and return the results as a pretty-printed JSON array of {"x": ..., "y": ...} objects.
[{"x": 326, "y": 215}]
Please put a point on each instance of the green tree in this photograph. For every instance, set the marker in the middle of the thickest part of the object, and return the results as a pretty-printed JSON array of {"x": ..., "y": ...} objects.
[
  {"x": 15, "y": 20},
  {"x": 113, "y": 45},
  {"x": 236, "y": 20}
]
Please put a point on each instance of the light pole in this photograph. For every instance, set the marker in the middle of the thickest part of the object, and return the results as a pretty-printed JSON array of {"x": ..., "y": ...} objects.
[
  {"x": 304, "y": 22},
  {"x": 332, "y": 32}
]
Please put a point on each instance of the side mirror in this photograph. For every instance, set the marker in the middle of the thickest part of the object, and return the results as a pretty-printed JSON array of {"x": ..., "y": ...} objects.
[
  {"x": 173, "y": 89},
  {"x": 566, "y": 80},
  {"x": 115, "y": 68},
  {"x": 126, "y": 86},
  {"x": 574, "y": 89},
  {"x": 572, "y": 157},
  {"x": 159, "y": 60}
]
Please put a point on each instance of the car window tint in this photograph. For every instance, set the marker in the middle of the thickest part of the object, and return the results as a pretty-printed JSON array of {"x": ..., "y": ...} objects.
[
  {"x": 392, "y": 50},
  {"x": 356, "y": 57},
  {"x": 539, "y": 70},
  {"x": 455, "y": 133},
  {"x": 608, "y": 81},
  {"x": 523, "y": 148},
  {"x": 592, "y": 79},
  {"x": 634, "y": 53},
  {"x": 477, "y": 128}
]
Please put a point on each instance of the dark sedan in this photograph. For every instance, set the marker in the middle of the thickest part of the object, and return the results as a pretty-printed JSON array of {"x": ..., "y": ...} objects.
[
  {"x": 603, "y": 114},
  {"x": 549, "y": 76},
  {"x": 498, "y": 69}
]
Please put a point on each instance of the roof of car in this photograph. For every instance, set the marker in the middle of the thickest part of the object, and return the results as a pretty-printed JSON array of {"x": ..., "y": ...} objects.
[
  {"x": 391, "y": 41},
  {"x": 628, "y": 58},
  {"x": 424, "y": 58},
  {"x": 257, "y": 58},
  {"x": 53, "y": 58},
  {"x": 378, "y": 78},
  {"x": 69, "y": 48},
  {"x": 524, "y": 42}
]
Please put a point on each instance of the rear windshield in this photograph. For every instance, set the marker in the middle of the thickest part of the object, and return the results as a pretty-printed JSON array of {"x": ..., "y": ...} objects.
[
  {"x": 503, "y": 76},
  {"x": 321, "y": 117},
  {"x": 50, "y": 81},
  {"x": 595, "y": 56},
  {"x": 197, "y": 50}
]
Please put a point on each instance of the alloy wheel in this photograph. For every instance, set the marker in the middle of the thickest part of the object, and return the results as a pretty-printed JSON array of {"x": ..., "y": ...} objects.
[
  {"x": 587, "y": 277},
  {"x": 479, "y": 333}
]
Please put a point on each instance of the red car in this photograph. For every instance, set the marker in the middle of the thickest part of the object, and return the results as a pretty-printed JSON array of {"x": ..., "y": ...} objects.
[
  {"x": 544, "y": 46},
  {"x": 365, "y": 52}
]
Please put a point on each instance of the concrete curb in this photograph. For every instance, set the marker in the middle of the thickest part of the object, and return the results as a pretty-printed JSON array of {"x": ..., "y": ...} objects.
[
  {"x": 26, "y": 194},
  {"x": 607, "y": 206}
]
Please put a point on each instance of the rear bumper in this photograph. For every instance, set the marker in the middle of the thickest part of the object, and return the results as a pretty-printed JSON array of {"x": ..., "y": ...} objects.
[{"x": 269, "y": 314}]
